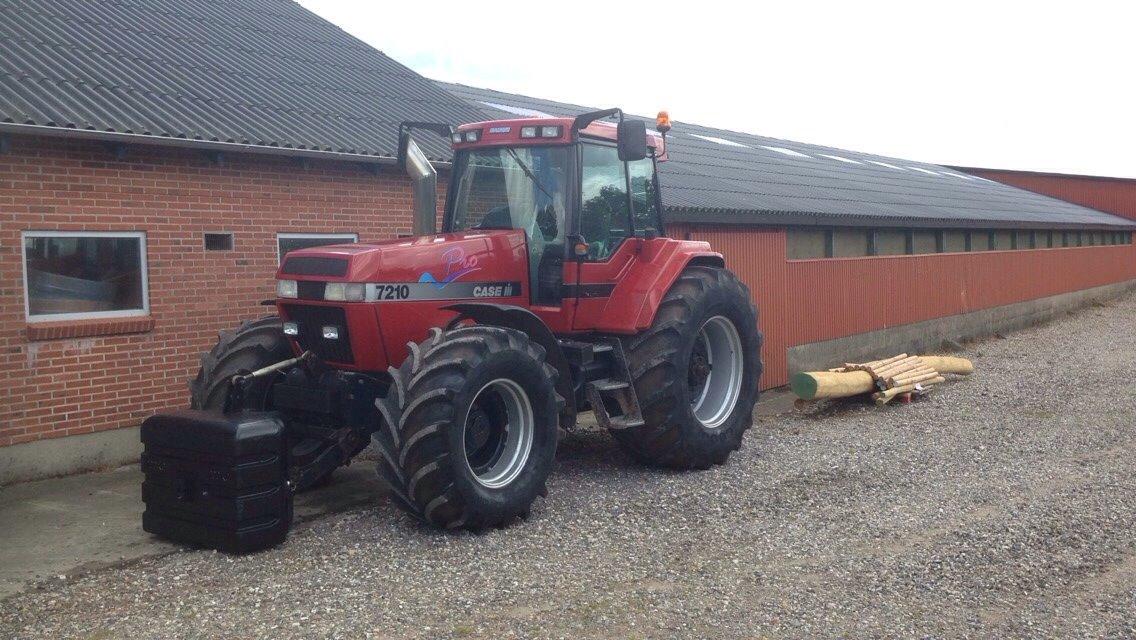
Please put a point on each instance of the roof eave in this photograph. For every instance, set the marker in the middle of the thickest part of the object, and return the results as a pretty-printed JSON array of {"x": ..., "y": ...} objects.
[
  {"x": 687, "y": 215},
  {"x": 204, "y": 145}
]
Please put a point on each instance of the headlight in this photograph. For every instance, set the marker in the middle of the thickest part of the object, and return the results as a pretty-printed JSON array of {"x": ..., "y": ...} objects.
[
  {"x": 344, "y": 291},
  {"x": 287, "y": 289},
  {"x": 528, "y": 132}
]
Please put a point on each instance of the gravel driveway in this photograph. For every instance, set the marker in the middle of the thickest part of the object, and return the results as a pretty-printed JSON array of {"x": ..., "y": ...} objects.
[{"x": 1002, "y": 505}]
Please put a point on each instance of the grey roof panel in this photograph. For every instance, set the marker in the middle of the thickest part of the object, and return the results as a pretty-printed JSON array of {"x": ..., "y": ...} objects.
[
  {"x": 747, "y": 182},
  {"x": 260, "y": 72}
]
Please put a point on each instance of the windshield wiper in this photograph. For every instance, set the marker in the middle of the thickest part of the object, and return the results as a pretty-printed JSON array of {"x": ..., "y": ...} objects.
[{"x": 529, "y": 173}]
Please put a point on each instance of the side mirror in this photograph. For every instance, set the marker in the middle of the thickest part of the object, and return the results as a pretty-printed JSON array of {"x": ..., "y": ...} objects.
[{"x": 632, "y": 140}]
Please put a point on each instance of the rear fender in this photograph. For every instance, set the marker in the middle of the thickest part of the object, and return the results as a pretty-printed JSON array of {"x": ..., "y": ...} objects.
[
  {"x": 521, "y": 319},
  {"x": 637, "y": 296}
]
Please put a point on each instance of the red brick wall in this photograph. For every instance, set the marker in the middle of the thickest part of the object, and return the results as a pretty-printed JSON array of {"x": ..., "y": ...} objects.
[{"x": 57, "y": 387}]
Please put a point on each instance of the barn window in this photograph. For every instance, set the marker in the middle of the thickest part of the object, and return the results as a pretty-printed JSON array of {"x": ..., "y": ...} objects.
[
  {"x": 286, "y": 242},
  {"x": 803, "y": 244},
  {"x": 955, "y": 241},
  {"x": 76, "y": 275}
]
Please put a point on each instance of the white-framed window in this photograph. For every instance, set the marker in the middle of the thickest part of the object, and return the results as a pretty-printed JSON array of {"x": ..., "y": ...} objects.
[
  {"x": 286, "y": 242},
  {"x": 79, "y": 275}
]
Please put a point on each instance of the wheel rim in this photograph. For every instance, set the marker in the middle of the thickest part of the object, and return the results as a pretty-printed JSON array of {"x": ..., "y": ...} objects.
[
  {"x": 497, "y": 436},
  {"x": 715, "y": 373}
]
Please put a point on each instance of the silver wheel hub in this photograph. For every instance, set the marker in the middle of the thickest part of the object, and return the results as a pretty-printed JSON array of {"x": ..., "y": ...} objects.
[
  {"x": 497, "y": 435},
  {"x": 715, "y": 374}
]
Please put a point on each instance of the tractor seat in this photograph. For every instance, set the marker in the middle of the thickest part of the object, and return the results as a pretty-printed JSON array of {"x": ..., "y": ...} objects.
[{"x": 496, "y": 218}]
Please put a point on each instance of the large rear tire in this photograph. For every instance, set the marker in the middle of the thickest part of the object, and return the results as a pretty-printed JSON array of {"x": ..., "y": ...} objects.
[
  {"x": 469, "y": 427},
  {"x": 696, "y": 372}
]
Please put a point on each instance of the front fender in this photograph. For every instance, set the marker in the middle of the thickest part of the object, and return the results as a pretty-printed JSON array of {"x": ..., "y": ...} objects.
[{"x": 521, "y": 319}]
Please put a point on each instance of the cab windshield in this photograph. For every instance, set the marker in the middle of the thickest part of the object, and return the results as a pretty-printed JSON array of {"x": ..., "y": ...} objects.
[
  {"x": 511, "y": 188},
  {"x": 517, "y": 188}
]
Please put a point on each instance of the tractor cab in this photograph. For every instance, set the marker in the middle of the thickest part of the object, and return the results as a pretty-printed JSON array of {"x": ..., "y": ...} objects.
[{"x": 580, "y": 189}]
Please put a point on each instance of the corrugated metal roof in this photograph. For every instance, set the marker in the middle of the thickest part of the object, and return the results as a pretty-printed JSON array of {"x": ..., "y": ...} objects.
[
  {"x": 261, "y": 72},
  {"x": 715, "y": 175}
]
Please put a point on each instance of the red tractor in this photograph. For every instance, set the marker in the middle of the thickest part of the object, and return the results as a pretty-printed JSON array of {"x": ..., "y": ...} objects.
[{"x": 551, "y": 290}]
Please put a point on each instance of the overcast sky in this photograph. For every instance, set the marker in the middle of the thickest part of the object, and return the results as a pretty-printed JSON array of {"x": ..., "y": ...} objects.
[{"x": 1023, "y": 85}]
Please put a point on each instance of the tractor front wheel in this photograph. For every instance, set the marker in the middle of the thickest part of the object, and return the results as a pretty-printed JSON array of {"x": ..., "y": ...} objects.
[
  {"x": 696, "y": 372},
  {"x": 256, "y": 344},
  {"x": 469, "y": 427}
]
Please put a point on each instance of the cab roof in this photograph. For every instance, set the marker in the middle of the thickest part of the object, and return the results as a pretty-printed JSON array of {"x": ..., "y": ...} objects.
[{"x": 495, "y": 133}]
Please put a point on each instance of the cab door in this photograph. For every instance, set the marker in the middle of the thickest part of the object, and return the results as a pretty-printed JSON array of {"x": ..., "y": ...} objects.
[{"x": 616, "y": 215}]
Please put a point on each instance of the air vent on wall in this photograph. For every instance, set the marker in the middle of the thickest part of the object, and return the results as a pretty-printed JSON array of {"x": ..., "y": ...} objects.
[{"x": 218, "y": 242}]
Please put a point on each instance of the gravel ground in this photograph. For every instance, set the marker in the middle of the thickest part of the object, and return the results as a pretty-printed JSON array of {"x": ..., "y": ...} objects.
[{"x": 1001, "y": 505}]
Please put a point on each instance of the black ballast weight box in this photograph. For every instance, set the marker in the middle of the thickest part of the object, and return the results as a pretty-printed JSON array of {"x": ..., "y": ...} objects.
[{"x": 217, "y": 481}]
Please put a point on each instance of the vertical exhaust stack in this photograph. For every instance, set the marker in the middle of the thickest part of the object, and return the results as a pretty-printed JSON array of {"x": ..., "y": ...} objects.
[{"x": 414, "y": 162}]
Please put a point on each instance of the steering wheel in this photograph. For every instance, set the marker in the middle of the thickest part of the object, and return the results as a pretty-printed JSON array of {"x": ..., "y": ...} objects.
[{"x": 546, "y": 222}]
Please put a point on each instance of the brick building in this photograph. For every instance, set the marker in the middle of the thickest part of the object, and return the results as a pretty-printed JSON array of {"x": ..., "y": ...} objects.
[
  {"x": 156, "y": 161},
  {"x": 145, "y": 208}
]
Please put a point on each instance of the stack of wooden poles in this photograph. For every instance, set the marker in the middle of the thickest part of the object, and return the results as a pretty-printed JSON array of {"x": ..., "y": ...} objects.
[{"x": 887, "y": 378}]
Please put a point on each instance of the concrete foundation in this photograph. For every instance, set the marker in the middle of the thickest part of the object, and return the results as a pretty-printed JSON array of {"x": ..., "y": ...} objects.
[
  {"x": 61, "y": 456},
  {"x": 928, "y": 336}
]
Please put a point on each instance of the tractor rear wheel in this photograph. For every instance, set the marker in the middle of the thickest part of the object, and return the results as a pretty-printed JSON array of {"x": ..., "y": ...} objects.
[
  {"x": 469, "y": 427},
  {"x": 696, "y": 372}
]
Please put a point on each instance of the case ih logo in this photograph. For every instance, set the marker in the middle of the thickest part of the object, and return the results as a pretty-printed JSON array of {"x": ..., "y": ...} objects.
[{"x": 456, "y": 266}]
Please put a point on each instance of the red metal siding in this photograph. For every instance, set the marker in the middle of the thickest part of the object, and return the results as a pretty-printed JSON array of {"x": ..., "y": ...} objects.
[
  {"x": 1114, "y": 195},
  {"x": 758, "y": 257},
  {"x": 855, "y": 295},
  {"x": 803, "y": 301}
]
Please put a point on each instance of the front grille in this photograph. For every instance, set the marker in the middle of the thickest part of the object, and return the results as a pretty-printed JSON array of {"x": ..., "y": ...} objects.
[
  {"x": 304, "y": 266},
  {"x": 311, "y": 321},
  {"x": 310, "y": 289}
]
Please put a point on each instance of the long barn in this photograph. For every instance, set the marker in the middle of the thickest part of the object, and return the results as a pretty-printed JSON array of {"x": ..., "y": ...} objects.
[{"x": 851, "y": 255}]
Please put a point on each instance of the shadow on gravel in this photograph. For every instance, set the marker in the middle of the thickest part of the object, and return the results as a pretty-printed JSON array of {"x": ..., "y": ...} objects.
[{"x": 825, "y": 409}]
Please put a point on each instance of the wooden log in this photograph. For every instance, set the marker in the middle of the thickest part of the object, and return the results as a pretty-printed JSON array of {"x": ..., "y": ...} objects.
[
  {"x": 902, "y": 362},
  {"x": 906, "y": 371},
  {"x": 909, "y": 380},
  {"x": 897, "y": 367},
  {"x": 910, "y": 374},
  {"x": 876, "y": 364},
  {"x": 812, "y": 385},
  {"x": 948, "y": 364},
  {"x": 884, "y": 397}
]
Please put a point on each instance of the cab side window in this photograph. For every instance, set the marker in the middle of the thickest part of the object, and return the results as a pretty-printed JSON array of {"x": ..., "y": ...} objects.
[
  {"x": 643, "y": 196},
  {"x": 603, "y": 201}
]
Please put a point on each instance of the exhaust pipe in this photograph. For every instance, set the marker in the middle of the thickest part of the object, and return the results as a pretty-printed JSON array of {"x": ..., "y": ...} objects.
[{"x": 425, "y": 179}]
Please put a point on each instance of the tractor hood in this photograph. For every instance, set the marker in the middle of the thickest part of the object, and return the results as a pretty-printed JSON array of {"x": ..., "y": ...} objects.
[
  {"x": 407, "y": 285},
  {"x": 443, "y": 266}
]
